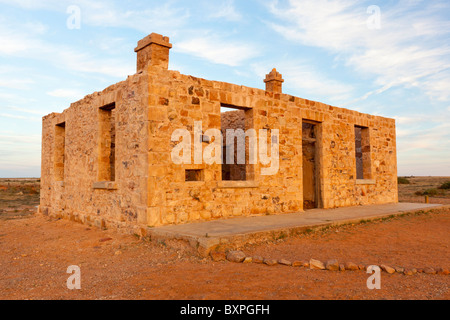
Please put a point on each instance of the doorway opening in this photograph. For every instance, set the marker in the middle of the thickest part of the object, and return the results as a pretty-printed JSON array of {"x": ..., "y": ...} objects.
[
  {"x": 311, "y": 165},
  {"x": 235, "y": 122}
]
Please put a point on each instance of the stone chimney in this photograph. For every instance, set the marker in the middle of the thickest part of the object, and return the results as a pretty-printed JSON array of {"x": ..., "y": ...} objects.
[
  {"x": 153, "y": 50},
  {"x": 274, "y": 81}
]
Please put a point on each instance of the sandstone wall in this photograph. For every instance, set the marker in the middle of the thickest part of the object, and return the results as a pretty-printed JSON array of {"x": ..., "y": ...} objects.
[
  {"x": 177, "y": 100},
  {"x": 150, "y": 190},
  {"x": 81, "y": 195}
]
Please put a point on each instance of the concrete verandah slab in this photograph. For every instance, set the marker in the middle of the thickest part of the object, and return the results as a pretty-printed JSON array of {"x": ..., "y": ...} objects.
[{"x": 235, "y": 232}]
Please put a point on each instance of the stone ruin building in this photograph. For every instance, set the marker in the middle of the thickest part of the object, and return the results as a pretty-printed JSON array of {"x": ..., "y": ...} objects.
[{"x": 106, "y": 160}]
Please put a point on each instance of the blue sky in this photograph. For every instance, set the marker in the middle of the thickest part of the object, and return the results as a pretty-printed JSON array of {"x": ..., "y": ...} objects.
[{"x": 325, "y": 50}]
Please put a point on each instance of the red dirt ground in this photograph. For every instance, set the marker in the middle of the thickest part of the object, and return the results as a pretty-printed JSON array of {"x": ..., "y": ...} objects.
[{"x": 35, "y": 253}]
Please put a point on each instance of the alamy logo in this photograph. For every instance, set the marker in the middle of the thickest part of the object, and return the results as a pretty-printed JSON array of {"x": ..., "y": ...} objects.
[
  {"x": 74, "y": 281},
  {"x": 374, "y": 20},
  {"x": 235, "y": 153},
  {"x": 374, "y": 281},
  {"x": 74, "y": 19}
]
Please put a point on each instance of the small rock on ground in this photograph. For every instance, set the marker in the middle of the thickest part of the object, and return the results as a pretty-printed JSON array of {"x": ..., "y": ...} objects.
[
  {"x": 408, "y": 272},
  {"x": 270, "y": 262},
  {"x": 351, "y": 266},
  {"x": 387, "y": 269},
  {"x": 236, "y": 256},
  {"x": 429, "y": 271},
  {"x": 298, "y": 263},
  {"x": 332, "y": 265},
  {"x": 316, "y": 264},
  {"x": 443, "y": 271},
  {"x": 399, "y": 269},
  {"x": 285, "y": 262},
  {"x": 257, "y": 259},
  {"x": 248, "y": 260}
]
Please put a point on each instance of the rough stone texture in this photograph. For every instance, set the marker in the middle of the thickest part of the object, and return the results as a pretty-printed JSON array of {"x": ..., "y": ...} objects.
[
  {"x": 316, "y": 264},
  {"x": 429, "y": 271},
  {"x": 387, "y": 269},
  {"x": 444, "y": 271},
  {"x": 399, "y": 269},
  {"x": 285, "y": 262},
  {"x": 218, "y": 256},
  {"x": 351, "y": 266},
  {"x": 112, "y": 168},
  {"x": 341, "y": 267},
  {"x": 298, "y": 263},
  {"x": 248, "y": 260},
  {"x": 257, "y": 259},
  {"x": 274, "y": 81},
  {"x": 270, "y": 262},
  {"x": 332, "y": 265},
  {"x": 236, "y": 256},
  {"x": 408, "y": 272}
]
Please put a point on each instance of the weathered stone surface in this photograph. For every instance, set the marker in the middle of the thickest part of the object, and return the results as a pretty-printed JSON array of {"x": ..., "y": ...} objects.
[
  {"x": 236, "y": 256},
  {"x": 257, "y": 259},
  {"x": 298, "y": 263},
  {"x": 218, "y": 256},
  {"x": 408, "y": 272},
  {"x": 399, "y": 269},
  {"x": 270, "y": 262},
  {"x": 429, "y": 271},
  {"x": 443, "y": 271},
  {"x": 112, "y": 166},
  {"x": 316, "y": 264},
  {"x": 332, "y": 265},
  {"x": 351, "y": 266},
  {"x": 284, "y": 262},
  {"x": 248, "y": 260},
  {"x": 341, "y": 267},
  {"x": 387, "y": 269}
]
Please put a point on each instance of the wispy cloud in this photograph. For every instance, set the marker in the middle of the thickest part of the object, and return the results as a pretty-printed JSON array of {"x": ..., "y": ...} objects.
[
  {"x": 16, "y": 83},
  {"x": 66, "y": 93},
  {"x": 15, "y": 116},
  {"x": 18, "y": 43},
  {"x": 218, "y": 50},
  {"x": 304, "y": 78},
  {"x": 15, "y": 98},
  {"x": 144, "y": 17},
  {"x": 227, "y": 11},
  {"x": 30, "y": 111},
  {"x": 409, "y": 50}
]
